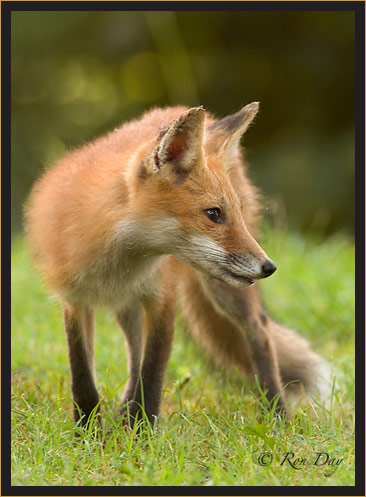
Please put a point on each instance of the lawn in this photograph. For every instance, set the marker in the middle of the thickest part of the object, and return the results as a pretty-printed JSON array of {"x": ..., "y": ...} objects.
[{"x": 213, "y": 429}]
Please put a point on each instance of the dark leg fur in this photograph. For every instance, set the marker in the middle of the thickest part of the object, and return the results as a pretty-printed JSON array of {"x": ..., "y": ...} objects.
[
  {"x": 131, "y": 323},
  {"x": 79, "y": 331},
  {"x": 242, "y": 307},
  {"x": 159, "y": 327},
  {"x": 232, "y": 325},
  {"x": 265, "y": 362}
]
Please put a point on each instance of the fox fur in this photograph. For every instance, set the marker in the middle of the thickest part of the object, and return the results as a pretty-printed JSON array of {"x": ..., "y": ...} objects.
[{"x": 153, "y": 214}]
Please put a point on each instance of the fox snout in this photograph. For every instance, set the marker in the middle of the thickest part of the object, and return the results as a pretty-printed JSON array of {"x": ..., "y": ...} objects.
[
  {"x": 236, "y": 269},
  {"x": 268, "y": 268},
  {"x": 244, "y": 269}
]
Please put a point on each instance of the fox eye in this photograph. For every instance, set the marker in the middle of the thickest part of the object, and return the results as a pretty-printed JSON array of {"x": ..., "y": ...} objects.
[{"x": 214, "y": 214}]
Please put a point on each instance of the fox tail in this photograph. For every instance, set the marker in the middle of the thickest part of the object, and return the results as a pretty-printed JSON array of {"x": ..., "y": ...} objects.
[{"x": 297, "y": 360}]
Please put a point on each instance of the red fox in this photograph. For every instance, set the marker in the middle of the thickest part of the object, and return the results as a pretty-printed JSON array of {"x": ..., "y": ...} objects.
[{"x": 152, "y": 213}]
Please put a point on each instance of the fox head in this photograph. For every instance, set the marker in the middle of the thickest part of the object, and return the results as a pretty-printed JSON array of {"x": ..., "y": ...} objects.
[{"x": 185, "y": 199}]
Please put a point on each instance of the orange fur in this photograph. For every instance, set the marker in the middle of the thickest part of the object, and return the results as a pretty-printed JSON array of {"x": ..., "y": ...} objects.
[{"x": 120, "y": 220}]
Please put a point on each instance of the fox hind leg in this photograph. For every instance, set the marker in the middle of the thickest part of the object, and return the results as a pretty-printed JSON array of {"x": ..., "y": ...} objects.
[{"x": 79, "y": 327}]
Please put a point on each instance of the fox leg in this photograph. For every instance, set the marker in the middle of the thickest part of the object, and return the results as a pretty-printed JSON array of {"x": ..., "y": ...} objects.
[
  {"x": 158, "y": 329},
  {"x": 231, "y": 325},
  {"x": 222, "y": 338},
  {"x": 79, "y": 327},
  {"x": 242, "y": 307},
  {"x": 130, "y": 322},
  {"x": 265, "y": 361}
]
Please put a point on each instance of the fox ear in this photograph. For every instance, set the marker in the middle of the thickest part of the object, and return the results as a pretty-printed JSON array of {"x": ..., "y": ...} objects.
[
  {"x": 224, "y": 135},
  {"x": 181, "y": 144}
]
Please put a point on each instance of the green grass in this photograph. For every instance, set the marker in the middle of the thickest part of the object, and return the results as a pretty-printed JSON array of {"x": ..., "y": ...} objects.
[{"x": 212, "y": 428}]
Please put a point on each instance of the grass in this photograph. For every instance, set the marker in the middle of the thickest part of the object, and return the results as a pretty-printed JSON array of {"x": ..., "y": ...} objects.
[{"x": 212, "y": 429}]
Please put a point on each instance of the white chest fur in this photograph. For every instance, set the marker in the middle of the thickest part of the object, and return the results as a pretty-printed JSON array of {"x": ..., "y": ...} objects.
[{"x": 126, "y": 269}]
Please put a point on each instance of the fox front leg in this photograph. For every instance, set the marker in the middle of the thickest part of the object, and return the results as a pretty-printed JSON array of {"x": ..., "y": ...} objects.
[
  {"x": 243, "y": 308},
  {"x": 265, "y": 362},
  {"x": 158, "y": 330},
  {"x": 130, "y": 320}
]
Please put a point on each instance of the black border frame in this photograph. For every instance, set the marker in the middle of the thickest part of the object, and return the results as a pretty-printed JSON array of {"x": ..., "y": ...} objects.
[{"x": 358, "y": 7}]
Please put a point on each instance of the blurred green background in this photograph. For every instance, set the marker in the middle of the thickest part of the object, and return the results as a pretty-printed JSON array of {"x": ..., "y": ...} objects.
[{"x": 76, "y": 75}]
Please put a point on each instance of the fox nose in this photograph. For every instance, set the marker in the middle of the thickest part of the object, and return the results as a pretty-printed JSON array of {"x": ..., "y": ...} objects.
[{"x": 268, "y": 268}]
